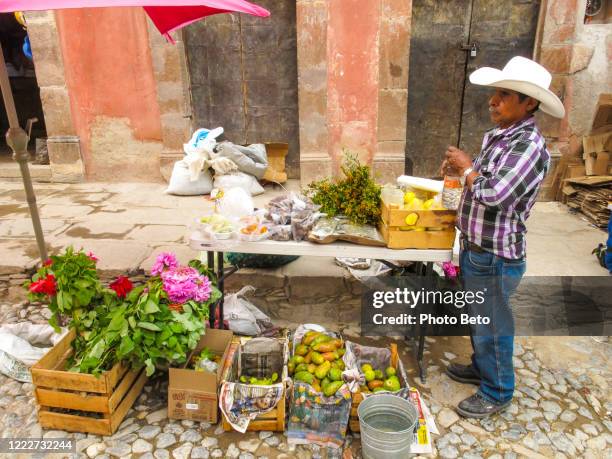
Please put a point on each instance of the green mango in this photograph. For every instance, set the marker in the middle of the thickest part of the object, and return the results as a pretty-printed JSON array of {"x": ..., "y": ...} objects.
[
  {"x": 317, "y": 358},
  {"x": 325, "y": 383},
  {"x": 301, "y": 367},
  {"x": 332, "y": 388},
  {"x": 301, "y": 349},
  {"x": 243, "y": 379},
  {"x": 304, "y": 376},
  {"x": 322, "y": 370},
  {"x": 335, "y": 374},
  {"x": 379, "y": 374},
  {"x": 320, "y": 339},
  {"x": 339, "y": 364},
  {"x": 274, "y": 377}
]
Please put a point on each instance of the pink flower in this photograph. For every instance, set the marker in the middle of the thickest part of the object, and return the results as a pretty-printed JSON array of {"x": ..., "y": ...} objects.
[
  {"x": 184, "y": 284},
  {"x": 450, "y": 270},
  {"x": 164, "y": 260},
  {"x": 92, "y": 257}
]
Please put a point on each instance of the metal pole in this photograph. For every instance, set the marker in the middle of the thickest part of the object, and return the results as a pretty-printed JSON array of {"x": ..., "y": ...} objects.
[{"x": 17, "y": 139}]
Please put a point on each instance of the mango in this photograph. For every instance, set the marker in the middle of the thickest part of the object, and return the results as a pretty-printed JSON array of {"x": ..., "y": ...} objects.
[
  {"x": 378, "y": 389},
  {"x": 324, "y": 347},
  {"x": 364, "y": 389},
  {"x": 308, "y": 357},
  {"x": 317, "y": 358},
  {"x": 369, "y": 375},
  {"x": 316, "y": 386},
  {"x": 335, "y": 374},
  {"x": 301, "y": 367},
  {"x": 366, "y": 367},
  {"x": 298, "y": 359},
  {"x": 274, "y": 377},
  {"x": 301, "y": 349},
  {"x": 325, "y": 383},
  {"x": 311, "y": 368},
  {"x": 253, "y": 380},
  {"x": 332, "y": 388},
  {"x": 392, "y": 384},
  {"x": 339, "y": 364},
  {"x": 291, "y": 367},
  {"x": 319, "y": 339},
  {"x": 375, "y": 383},
  {"x": 243, "y": 379},
  {"x": 304, "y": 376},
  {"x": 341, "y": 352},
  {"x": 310, "y": 337},
  {"x": 337, "y": 342},
  {"x": 322, "y": 370},
  {"x": 330, "y": 356},
  {"x": 390, "y": 371},
  {"x": 379, "y": 374}
]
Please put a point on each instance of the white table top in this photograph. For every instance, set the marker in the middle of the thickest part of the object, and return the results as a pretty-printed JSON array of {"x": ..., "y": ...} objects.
[{"x": 335, "y": 249}]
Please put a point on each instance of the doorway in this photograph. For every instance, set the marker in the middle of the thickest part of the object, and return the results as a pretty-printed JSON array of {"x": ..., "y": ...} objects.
[
  {"x": 24, "y": 85},
  {"x": 243, "y": 73},
  {"x": 450, "y": 39}
]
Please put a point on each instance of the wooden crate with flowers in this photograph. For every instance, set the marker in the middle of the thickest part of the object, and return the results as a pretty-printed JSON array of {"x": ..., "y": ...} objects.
[{"x": 118, "y": 336}]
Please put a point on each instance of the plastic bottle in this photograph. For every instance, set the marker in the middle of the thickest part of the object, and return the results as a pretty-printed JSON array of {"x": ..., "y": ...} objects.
[{"x": 451, "y": 194}]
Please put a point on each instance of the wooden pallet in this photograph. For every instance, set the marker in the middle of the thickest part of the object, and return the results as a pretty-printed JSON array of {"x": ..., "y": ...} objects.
[
  {"x": 394, "y": 219},
  {"x": 108, "y": 397}
]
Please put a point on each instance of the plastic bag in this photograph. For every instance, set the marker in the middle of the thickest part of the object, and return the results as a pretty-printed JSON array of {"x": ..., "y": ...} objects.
[
  {"x": 302, "y": 222},
  {"x": 17, "y": 353},
  {"x": 251, "y": 159},
  {"x": 181, "y": 184},
  {"x": 242, "y": 316},
  {"x": 240, "y": 180},
  {"x": 236, "y": 203}
]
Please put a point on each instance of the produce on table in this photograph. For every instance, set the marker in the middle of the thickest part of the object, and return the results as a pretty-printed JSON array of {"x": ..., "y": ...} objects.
[
  {"x": 357, "y": 196},
  {"x": 317, "y": 361},
  {"x": 378, "y": 381},
  {"x": 218, "y": 223},
  {"x": 259, "y": 381}
]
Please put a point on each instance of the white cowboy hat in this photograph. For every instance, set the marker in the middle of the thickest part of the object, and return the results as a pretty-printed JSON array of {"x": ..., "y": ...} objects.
[{"x": 525, "y": 76}]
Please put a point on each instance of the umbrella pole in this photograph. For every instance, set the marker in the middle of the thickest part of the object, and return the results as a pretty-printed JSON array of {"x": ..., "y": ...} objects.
[{"x": 18, "y": 139}]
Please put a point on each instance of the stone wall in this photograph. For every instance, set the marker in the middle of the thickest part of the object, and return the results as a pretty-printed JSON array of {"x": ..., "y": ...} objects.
[
  {"x": 353, "y": 80},
  {"x": 64, "y": 149}
]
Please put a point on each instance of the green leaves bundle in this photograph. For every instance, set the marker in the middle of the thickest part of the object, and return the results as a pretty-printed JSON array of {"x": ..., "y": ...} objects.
[{"x": 356, "y": 196}]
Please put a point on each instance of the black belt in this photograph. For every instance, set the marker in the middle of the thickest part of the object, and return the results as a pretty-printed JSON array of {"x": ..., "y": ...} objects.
[{"x": 467, "y": 245}]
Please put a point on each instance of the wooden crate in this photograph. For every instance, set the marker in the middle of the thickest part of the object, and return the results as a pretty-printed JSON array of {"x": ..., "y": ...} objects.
[
  {"x": 358, "y": 398},
  {"x": 394, "y": 218},
  {"x": 273, "y": 420},
  {"x": 108, "y": 397}
]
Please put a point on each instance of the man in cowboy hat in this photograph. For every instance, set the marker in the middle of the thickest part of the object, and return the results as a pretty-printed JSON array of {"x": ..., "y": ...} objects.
[{"x": 500, "y": 188}]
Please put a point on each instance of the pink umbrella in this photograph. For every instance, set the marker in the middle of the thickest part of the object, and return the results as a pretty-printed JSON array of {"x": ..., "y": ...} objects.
[{"x": 167, "y": 15}]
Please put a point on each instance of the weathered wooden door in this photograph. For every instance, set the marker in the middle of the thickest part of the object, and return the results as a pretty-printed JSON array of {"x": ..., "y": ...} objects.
[
  {"x": 443, "y": 107},
  {"x": 243, "y": 73}
]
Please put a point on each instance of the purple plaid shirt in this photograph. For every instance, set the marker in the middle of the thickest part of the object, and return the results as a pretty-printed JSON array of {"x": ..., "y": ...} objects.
[{"x": 513, "y": 163}]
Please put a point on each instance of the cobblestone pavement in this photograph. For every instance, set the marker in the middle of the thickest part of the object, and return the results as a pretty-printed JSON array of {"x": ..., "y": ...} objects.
[{"x": 562, "y": 408}]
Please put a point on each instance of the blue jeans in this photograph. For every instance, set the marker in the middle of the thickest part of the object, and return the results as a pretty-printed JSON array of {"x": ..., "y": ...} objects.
[{"x": 493, "y": 344}]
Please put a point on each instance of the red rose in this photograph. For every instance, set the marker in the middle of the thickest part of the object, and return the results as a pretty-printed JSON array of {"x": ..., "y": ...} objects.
[
  {"x": 48, "y": 262},
  {"x": 122, "y": 286},
  {"x": 46, "y": 285}
]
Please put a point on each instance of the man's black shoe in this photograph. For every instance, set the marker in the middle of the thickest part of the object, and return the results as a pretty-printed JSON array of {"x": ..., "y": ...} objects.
[
  {"x": 477, "y": 407},
  {"x": 463, "y": 373}
]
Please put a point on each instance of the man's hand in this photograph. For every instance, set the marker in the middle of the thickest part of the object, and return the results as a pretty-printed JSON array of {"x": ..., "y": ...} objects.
[{"x": 457, "y": 159}]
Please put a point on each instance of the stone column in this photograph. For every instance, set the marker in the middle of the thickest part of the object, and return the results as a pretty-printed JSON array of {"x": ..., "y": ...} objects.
[
  {"x": 64, "y": 149},
  {"x": 311, "y": 22},
  {"x": 395, "y": 25},
  {"x": 172, "y": 79}
]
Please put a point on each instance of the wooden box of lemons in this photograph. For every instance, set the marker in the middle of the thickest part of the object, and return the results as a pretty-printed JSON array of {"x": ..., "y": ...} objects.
[
  {"x": 411, "y": 202},
  {"x": 317, "y": 361}
]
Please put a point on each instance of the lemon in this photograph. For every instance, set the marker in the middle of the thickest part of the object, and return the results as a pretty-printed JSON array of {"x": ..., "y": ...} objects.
[
  {"x": 411, "y": 219},
  {"x": 408, "y": 197}
]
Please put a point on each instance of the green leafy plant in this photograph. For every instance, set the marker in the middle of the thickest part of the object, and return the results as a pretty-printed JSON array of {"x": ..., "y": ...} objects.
[
  {"x": 152, "y": 325},
  {"x": 355, "y": 196}
]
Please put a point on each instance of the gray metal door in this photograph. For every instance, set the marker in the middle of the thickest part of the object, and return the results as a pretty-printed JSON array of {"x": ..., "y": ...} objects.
[
  {"x": 243, "y": 73},
  {"x": 450, "y": 39}
]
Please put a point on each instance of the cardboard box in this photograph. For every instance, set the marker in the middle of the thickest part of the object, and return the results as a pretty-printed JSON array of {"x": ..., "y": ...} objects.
[{"x": 193, "y": 394}]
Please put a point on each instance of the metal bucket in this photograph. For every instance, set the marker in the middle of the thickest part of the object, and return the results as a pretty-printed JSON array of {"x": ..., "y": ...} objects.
[{"x": 387, "y": 426}]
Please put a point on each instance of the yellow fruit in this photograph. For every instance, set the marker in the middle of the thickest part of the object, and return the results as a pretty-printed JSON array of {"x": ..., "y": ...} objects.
[
  {"x": 428, "y": 204},
  {"x": 369, "y": 375},
  {"x": 390, "y": 371},
  {"x": 366, "y": 367},
  {"x": 420, "y": 228},
  {"x": 408, "y": 197},
  {"x": 392, "y": 384},
  {"x": 411, "y": 219}
]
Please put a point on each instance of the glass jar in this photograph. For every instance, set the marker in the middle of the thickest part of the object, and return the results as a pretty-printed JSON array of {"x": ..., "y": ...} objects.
[{"x": 451, "y": 193}]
